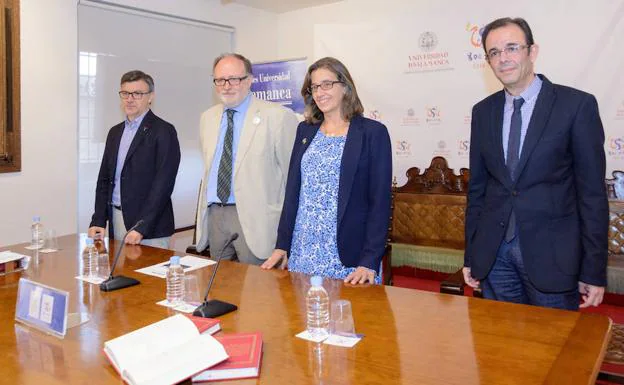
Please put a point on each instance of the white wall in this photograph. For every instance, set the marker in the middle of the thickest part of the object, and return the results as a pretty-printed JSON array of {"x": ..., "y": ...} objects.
[
  {"x": 376, "y": 38},
  {"x": 47, "y": 184}
]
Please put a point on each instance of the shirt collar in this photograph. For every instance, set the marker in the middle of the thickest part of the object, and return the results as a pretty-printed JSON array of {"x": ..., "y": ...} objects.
[
  {"x": 136, "y": 122},
  {"x": 528, "y": 94},
  {"x": 242, "y": 106}
]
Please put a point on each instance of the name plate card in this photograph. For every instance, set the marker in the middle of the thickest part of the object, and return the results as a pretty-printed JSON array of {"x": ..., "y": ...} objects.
[{"x": 42, "y": 307}]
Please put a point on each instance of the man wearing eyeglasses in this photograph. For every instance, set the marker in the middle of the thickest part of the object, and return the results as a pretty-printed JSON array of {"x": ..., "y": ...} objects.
[
  {"x": 537, "y": 213},
  {"x": 246, "y": 144},
  {"x": 138, "y": 170}
]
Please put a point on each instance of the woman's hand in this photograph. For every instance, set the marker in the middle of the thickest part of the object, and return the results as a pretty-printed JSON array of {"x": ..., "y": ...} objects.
[
  {"x": 277, "y": 259},
  {"x": 361, "y": 275}
]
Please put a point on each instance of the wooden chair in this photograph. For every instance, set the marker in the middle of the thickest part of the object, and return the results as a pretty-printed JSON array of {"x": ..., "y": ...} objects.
[
  {"x": 192, "y": 249},
  {"x": 427, "y": 226}
]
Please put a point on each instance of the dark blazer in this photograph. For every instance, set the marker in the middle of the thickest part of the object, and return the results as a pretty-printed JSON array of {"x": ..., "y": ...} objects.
[
  {"x": 559, "y": 195},
  {"x": 363, "y": 193},
  {"x": 147, "y": 178}
]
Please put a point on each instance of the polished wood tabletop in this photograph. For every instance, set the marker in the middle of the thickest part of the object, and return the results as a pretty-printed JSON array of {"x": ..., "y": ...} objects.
[{"x": 410, "y": 336}]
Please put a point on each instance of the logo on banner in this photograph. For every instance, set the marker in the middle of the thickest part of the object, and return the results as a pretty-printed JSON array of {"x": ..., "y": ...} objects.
[
  {"x": 410, "y": 119},
  {"x": 463, "y": 148},
  {"x": 402, "y": 148},
  {"x": 442, "y": 149},
  {"x": 374, "y": 114},
  {"x": 476, "y": 56},
  {"x": 434, "y": 117},
  {"x": 427, "y": 41},
  {"x": 468, "y": 118},
  {"x": 615, "y": 147},
  {"x": 429, "y": 58}
]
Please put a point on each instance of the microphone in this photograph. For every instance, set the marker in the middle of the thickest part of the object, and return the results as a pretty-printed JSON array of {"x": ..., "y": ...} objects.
[
  {"x": 214, "y": 307},
  {"x": 120, "y": 282}
]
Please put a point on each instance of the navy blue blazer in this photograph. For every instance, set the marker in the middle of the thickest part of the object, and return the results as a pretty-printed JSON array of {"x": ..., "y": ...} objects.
[
  {"x": 559, "y": 196},
  {"x": 148, "y": 178},
  {"x": 364, "y": 192}
]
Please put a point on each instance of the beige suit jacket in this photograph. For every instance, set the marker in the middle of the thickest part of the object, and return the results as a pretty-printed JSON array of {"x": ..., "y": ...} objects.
[{"x": 260, "y": 171}]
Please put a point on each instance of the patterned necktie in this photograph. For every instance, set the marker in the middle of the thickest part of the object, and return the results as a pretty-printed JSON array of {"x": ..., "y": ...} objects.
[
  {"x": 224, "y": 177},
  {"x": 513, "y": 156}
]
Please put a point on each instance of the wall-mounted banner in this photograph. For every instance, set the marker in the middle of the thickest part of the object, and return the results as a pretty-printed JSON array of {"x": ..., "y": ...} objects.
[{"x": 280, "y": 82}]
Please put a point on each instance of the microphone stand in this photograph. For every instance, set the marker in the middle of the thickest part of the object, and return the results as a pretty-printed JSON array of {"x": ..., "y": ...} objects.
[
  {"x": 120, "y": 282},
  {"x": 215, "y": 308}
]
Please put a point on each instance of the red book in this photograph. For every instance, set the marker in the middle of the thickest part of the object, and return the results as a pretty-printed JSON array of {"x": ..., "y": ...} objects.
[
  {"x": 205, "y": 325},
  {"x": 245, "y": 351}
]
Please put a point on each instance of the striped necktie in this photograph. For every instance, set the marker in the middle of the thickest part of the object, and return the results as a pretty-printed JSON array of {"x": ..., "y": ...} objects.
[{"x": 224, "y": 177}]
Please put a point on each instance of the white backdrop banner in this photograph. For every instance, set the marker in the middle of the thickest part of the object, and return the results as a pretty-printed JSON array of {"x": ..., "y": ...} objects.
[{"x": 421, "y": 76}]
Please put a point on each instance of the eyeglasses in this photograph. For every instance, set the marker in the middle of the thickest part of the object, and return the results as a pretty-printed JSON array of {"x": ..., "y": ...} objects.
[
  {"x": 511, "y": 49},
  {"x": 325, "y": 86},
  {"x": 138, "y": 95},
  {"x": 220, "y": 82}
]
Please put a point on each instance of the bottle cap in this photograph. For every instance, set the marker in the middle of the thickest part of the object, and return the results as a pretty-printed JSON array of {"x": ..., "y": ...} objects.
[
  {"x": 175, "y": 260},
  {"x": 316, "y": 280},
  {"x": 89, "y": 241}
]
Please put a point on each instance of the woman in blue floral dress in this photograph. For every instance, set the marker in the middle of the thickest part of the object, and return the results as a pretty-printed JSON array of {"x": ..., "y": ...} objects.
[{"x": 337, "y": 205}]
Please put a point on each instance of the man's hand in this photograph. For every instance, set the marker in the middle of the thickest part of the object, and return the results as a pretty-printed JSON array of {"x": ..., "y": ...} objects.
[
  {"x": 361, "y": 275},
  {"x": 592, "y": 295},
  {"x": 96, "y": 231},
  {"x": 468, "y": 278},
  {"x": 134, "y": 238},
  {"x": 278, "y": 258}
]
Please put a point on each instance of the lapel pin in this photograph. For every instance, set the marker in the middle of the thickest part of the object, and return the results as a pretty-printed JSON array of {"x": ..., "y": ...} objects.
[
  {"x": 256, "y": 120},
  {"x": 304, "y": 141}
]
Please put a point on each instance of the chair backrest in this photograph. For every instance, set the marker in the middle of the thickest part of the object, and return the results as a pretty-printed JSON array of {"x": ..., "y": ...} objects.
[{"x": 429, "y": 210}]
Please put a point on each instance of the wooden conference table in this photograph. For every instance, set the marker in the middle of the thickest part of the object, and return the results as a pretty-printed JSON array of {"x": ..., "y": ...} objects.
[{"x": 411, "y": 336}]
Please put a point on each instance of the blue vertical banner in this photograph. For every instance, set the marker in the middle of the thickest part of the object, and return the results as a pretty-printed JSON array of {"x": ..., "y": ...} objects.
[{"x": 280, "y": 82}]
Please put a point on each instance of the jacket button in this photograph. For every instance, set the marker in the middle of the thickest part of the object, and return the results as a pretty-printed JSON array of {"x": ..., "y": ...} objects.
[
  {"x": 502, "y": 224},
  {"x": 514, "y": 193}
]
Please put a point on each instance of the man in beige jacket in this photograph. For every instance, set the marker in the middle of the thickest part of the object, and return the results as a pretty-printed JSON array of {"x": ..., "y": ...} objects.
[{"x": 246, "y": 144}]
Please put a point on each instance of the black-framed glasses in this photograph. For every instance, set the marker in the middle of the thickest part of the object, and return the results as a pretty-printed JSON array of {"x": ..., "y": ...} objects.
[
  {"x": 324, "y": 85},
  {"x": 220, "y": 82},
  {"x": 138, "y": 95},
  {"x": 511, "y": 49}
]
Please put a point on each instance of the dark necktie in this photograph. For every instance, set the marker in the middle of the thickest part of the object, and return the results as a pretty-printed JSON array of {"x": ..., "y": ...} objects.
[
  {"x": 513, "y": 156},
  {"x": 224, "y": 177}
]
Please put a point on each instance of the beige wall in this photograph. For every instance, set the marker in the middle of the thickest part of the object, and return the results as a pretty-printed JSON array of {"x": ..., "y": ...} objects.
[{"x": 47, "y": 184}]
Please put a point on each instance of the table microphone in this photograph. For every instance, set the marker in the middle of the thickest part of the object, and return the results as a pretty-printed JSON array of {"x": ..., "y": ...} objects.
[
  {"x": 120, "y": 282},
  {"x": 214, "y": 307}
]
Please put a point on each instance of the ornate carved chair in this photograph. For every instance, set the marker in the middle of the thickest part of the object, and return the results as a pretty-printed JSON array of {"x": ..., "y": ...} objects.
[{"x": 427, "y": 226}]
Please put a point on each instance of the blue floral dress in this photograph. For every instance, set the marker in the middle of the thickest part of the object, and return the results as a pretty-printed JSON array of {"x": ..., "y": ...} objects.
[{"x": 314, "y": 249}]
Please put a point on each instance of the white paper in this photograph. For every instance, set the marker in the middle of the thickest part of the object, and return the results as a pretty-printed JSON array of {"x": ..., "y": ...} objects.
[
  {"x": 184, "y": 307},
  {"x": 48, "y": 250},
  {"x": 8, "y": 256},
  {"x": 33, "y": 247},
  {"x": 307, "y": 336},
  {"x": 47, "y": 304},
  {"x": 188, "y": 262},
  {"x": 344, "y": 341},
  {"x": 35, "y": 303},
  {"x": 92, "y": 280}
]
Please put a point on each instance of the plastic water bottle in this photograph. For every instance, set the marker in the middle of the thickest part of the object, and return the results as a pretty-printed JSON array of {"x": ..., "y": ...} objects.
[
  {"x": 175, "y": 281},
  {"x": 89, "y": 259},
  {"x": 317, "y": 304},
  {"x": 36, "y": 231}
]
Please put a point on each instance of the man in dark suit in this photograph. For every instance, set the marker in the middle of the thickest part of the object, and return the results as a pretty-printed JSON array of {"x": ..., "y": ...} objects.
[
  {"x": 537, "y": 214},
  {"x": 138, "y": 170}
]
